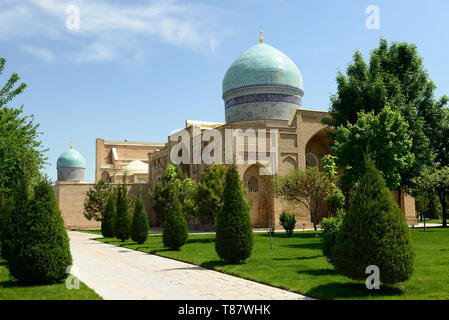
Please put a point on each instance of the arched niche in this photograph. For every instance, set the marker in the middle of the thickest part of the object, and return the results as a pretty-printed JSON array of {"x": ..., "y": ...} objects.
[
  {"x": 105, "y": 177},
  {"x": 317, "y": 147},
  {"x": 288, "y": 164},
  {"x": 259, "y": 192}
]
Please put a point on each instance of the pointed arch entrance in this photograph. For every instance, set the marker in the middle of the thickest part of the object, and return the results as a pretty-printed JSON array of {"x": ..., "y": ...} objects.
[{"x": 259, "y": 192}]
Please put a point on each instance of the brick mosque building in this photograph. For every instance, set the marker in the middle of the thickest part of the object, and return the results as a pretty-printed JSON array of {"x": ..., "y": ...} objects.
[{"x": 262, "y": 89}]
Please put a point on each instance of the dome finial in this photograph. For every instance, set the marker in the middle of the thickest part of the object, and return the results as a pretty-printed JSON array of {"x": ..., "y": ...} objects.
[
  {"x": 71, "y": 147},
  {"x": 260, "y": 38}
]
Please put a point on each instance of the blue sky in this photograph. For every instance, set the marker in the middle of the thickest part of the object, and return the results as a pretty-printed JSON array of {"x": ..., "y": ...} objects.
[{"x": 139, "y": 69}]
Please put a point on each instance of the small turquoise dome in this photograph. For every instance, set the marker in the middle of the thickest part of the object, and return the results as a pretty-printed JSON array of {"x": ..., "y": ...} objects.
[
  {"x": 262, "y": 64},
  {"x": 71, "y": 159}
]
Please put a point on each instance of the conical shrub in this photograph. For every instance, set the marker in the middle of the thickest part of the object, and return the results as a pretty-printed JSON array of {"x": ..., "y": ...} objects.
[
  {"x": 140, "y": 225},
  {"x": 14, "y": 210},
  {"x": 107, "y": 224},
  {"x": 175, "y": 230},
  {"x": 5, "y": 208},
  {"x": 40, "y": 252},
  {"x": 122, "y": 219},
  {"x": 234, "y": 234},
  {"x": 374, "y": 232}
]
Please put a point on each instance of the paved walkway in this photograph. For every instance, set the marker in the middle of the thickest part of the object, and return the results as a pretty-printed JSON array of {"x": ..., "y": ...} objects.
[
  {"x": 428, "y": 225},
  {"x": 120, "y": 273}
]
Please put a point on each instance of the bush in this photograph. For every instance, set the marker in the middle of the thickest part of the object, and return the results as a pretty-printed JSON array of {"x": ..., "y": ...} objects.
[
  {"x": 175, "y": 230},
  {"x": 288, "y": 221},
  {"x": 107, "y": 224},
  {"x": 40, "y": 252},
  {"x": 330, "y": 227},
  {"x": 140, "y": 225},
  {"x": 428, "y": 206},
  {"x": 234, "y": 234},
  {"x": 96, "y": 200},
  {"x": 374, "y": 232},
  {"x": 173, "y": 184},
  {"x": 122, "y": 219},
  {"x": 209, "y": 193},
  {"x": 5, "y": 209}
]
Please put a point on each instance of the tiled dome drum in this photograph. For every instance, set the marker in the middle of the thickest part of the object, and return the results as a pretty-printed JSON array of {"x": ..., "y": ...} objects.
[
  {"x": 263, "y": 83},
  {"x": 71, "y": 166}
]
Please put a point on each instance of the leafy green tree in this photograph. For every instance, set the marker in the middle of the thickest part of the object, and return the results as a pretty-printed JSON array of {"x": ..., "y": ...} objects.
[
  {"x": 108, "y": 221},
  {"x": 18, "y": 139},
  {"x": 335, "y": 197},
  {"x": 140, "y": 225},
  {"x": 122, "y": 220},
  {"x": 384, "y": 137},
  {"x": 209, "y": 193},
  {"x": 234, "y": 235},
  {"x": 374, "y": 232},
  {"x": 173, "y": 184},
  {"x": 40, "y": 252},
  {"x": 8, "y": 92},
  {"x": 5, "y": 211},
  {"x": 441, "y": 182},
  {"x": 288, "y": 222},
  {"x": 434, "y": 180},
  {"x": 428, "y": 207},
  {"x": 330, "y": 228},
  {"x": 175, "y": 230},
  {"x": 306, "y": 186},
  {"x": 395, "y": 77},
  {"x": 96, "y": 200}
]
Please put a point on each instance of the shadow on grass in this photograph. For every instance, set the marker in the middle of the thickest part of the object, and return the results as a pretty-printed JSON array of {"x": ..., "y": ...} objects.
[
  {"x": 297, "y": 235},
  {"x": 297, "y": 258},
  {"x": 338, "y": 290},
  {"x": 13, "y": 283},
  {"x": 313, "y": 246},
  {"x": 156, "y": 251},
  {"x": 213, "y": 264},
  {"x": 200, "y": 241},
  {"x": 318, "y": 272}
]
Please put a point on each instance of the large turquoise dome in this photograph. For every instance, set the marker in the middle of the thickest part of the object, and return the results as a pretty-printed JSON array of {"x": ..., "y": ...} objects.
[
  {"x": 262, "y": 64},
  {"x": 71, "y": 159},
  {"x": 263, "y": 83}
]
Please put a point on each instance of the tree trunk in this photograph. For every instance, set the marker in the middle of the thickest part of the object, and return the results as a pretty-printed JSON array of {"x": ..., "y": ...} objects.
[
  {"x": 444, "y": 208},
  {"x": 314, "y": 222},
  {"x": 399, "y": 198}
]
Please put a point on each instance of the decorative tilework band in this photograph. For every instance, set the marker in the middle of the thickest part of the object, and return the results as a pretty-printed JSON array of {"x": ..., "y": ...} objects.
[{"x": 263, "y": 97}]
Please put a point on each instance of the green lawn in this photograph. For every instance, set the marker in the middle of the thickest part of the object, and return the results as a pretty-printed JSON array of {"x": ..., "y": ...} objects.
[
  {"x": 297, "y": 264},
  {"x": 432, "y": 221},
  {"x": 10, "y": 289},
  {"x": 98, "y": 231}
]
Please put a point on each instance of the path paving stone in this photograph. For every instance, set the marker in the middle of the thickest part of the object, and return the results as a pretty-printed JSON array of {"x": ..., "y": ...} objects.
[{"x": 121, "y": 274}]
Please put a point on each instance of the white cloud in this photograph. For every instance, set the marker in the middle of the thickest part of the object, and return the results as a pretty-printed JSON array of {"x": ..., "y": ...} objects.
[
  {"x": 101, "y": 22},
  {"x": 96, "y": 52},
  {"x": 39, "y": 52}
]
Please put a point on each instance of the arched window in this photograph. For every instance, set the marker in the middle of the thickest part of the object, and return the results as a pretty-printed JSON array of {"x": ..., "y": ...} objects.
[
  {"x": 311, "y": 160},
  {"x": 105, "y": 177},
  {"x": 253, "y": 184}
]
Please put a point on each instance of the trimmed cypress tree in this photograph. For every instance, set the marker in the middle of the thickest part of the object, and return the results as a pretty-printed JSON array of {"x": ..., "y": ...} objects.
[
  {"x": 175, "y": 230},
  {"x": 5, "y": 208},
  {"x": 122, "y": 219},
  {"x": 234, "y": 236},
  {"x": 140, "y": 225},
  {"x": 40, "y": 252},
  {"x": 374, "y": 232},
  {"x": 107, "y": 224},
  {"x": 15, "y": 209}
]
